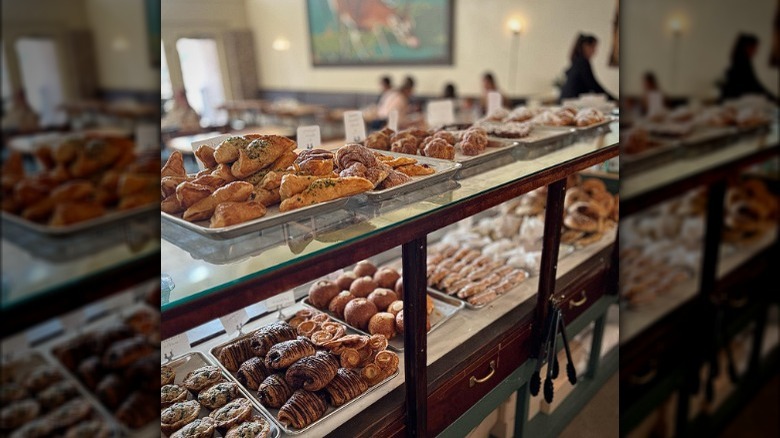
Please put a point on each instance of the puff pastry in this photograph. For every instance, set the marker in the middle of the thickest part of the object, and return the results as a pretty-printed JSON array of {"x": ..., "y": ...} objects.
[
  {"x": 231, "y": 213},
  {"x": 237, "y": 191},
  {"x": 326, "y": 189},
  {"x": 205, "y": 154}
]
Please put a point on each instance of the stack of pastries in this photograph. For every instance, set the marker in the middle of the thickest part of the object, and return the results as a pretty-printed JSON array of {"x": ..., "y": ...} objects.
[
  {"x": 435, "y": 144},
  {"x": 79, "y": 180},
  {"x": 204, "y": 402},
  {"x": 367, "y": 298},
  {"x": 37, "y": 400},
  {"x": 302, "y": 367}
]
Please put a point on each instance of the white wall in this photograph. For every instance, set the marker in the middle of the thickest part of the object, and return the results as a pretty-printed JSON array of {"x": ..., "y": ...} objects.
[
  {"x": 704, "y": 46},
  {"x": 482, "y": 42}
]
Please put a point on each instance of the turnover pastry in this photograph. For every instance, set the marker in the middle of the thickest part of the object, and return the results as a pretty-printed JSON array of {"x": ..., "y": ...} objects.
[
  {"x": 231, "y": 213},
  {"x": 302, "y": 409},
  {"x": 326, "y": 189},
  {"x": 312, "y": 373},
  {"x": 274, "y": 391},
  {"x": 260, "y": 153},
  {"x": 227, "y": 151},
  {"x": 284, "y": 354},
  {"x": 345, "y": 386},
  {"x": 173, "y": 167},
  {"x": 205, "y": 154},
  {"x": 178, "y": 415},
  {"x": 237, "y": 191},
  {"x": 266, "y": 337},
  {"x": 232, "y": 414},
  {"x": 201, "y": 378}
]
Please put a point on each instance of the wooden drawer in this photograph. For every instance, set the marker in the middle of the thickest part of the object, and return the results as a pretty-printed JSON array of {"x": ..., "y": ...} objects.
[{"x": 581, "y": 294}]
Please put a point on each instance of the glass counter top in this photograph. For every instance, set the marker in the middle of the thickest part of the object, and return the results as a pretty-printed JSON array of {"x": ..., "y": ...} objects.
[{"x": 198, "y": 266}]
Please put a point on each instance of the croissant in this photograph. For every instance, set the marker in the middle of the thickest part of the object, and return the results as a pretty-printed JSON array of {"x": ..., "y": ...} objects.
[
  {"x": 302, "y": 409},
  {"x": 274, "y": 391},
  {"x": 284, "y": 354},
  {"x": 346, "y": 385},
  {"x": 270, "y": 335},
  {"x": 237, "y": 191},
  {"x": 312, "y": 372},
  {"x": 252, "y": 373},
  {"x": 173, "y": 167},
  {"x": 235, "y": 354}
]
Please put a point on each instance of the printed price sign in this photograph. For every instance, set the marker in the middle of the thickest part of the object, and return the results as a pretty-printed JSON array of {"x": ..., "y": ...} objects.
[
  {"x": 213, "y": 142},
  {"x": 392, "y": 120},
  {"x": 234, "y": 322},
  {"x": 493, "y": 101},
  {"x": 309, "y": 137},
  {"x": 354, "y": 127},
  {"x": 175, "y": 346},
  {"x": 72, "y": 320},
  {"x": 280, "y": 301},
  {"x": 440, "y": 113}
]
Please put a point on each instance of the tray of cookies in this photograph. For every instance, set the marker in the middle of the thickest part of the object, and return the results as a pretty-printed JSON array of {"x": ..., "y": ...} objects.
[
  {"x": 198, "y": 399},
  {"x": 40, "y": 400},
  {"x": 304, "y": 370},
  {"x": 370, "y": 301}
]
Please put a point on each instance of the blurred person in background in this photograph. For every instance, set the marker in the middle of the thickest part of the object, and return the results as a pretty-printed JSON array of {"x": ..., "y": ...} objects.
[
  {"x": 20, "y": 116},
  {"x": 489, "y": 85},
  {"x": 741, "y": 78},
  {"x": 653, "y": 99},
  {"x": 385, "y": 87},
  {"x": 182, "y": 117},
  {"x": 579, "y": 76},
  {"x": 449, "y": 91},
  {"x": 397, "y": 100}
]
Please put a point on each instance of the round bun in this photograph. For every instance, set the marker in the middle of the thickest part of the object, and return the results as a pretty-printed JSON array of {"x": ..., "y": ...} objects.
[
  {"x": 399, "y": 288},
  {"x": 365, "y": 268},
  {"x": 399, "y": 322},
  {"x": 429, "y": 304},
  {"x": 395, "y": 307},
  {"x": 339, "y": 302},
  {"x": 345, "y": 280},
  {"x": 362, "y": 287},
  {"x": 358, "y": 313},
  {"x": 386, "y": 277},
  {"x": 382, "y": 298},
  {"x": 382, "y": 323},
  {"x": 321, "y": 292}
]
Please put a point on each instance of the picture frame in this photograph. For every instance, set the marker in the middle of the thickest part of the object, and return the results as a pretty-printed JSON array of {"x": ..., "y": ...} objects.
[{"x": 341, "y": 34}]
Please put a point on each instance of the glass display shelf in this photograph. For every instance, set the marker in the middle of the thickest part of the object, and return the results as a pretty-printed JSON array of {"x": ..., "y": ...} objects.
[{"x": 199, "y": 267}]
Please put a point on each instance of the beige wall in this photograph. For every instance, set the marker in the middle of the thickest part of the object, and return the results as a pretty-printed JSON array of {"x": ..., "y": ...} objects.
[
  {"x": 482, "y": 42},
  {"x": 703, "y": 49}
]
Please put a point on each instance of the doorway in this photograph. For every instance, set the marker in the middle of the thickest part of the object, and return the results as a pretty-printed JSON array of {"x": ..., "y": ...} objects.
[
  {"x": 202, "y": 78},
  {"x": 41, "y": 78}
]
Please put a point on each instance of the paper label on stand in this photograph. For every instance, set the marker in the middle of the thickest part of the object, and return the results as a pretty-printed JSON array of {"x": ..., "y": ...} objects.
[
  {"x": 392, "y": 120},
  {"x": 440, "y": 113},
  {"x": 493, "y": 101},
  {"x": 147, "y": 138},
  {"x": 354, "y": 127},
  {"x": 213, "y": 142},
  {"x": 280, "y": 301},
  {"x": 308, "y": 137},
  {"x": 72, "y": 320},
  {"x": 175, "y": 346},
  {"x": 234, "y": 321}
]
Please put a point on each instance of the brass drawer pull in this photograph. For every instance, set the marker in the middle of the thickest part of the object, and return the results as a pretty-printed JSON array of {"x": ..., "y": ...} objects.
[
  {"x": 578, "y": 303},
  {"x": 473, "y": 380}
]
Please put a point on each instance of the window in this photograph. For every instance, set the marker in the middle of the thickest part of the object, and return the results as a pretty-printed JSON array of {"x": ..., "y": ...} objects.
[{"x": 202, "y": 78}]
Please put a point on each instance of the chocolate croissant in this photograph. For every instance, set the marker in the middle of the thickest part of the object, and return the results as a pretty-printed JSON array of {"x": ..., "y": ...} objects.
[
  {"x": 302, "y": 409},
  {"x": 274, "y": 391},
  {"x": 252, "y": 373},
  {"x": 233, "y": 355},
  {"x": 347, "y": 385},
  {"x": 312, "y": 372},
  {"x": 270, "y": 335},
  {"x": 284, "y": 354}
]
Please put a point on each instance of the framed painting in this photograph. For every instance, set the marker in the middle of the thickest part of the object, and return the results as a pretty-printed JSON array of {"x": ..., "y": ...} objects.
[{"x": 380, "y": 32}]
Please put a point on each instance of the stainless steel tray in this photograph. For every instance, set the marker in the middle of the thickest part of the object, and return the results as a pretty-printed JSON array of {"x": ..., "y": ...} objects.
[
  {"x": 608, "y": 119},
  {"x": 272, "y": 218},
  {"x": 665, "y": 152},
  {"x": 497, "y": 147},
  {"x": 543, "y": 141},
  {"x": 437, "y": 293},
  {"x": 443, "y": 309},
  {"x": 194, "y": 360},
  {"x": 707, "y": 139},
  {"x": 445, "y": 170},
  {"x": 109, "y": 219},
  {"x": 271, "y": 412}
]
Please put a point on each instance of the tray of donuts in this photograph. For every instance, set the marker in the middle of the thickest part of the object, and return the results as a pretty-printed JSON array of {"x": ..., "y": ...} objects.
[
  {"x": 370, "y": 301},
  {"x": 199, "y": 399},
  {"x": 303, "y": 370},
  {"x": 38, "y": 399}
]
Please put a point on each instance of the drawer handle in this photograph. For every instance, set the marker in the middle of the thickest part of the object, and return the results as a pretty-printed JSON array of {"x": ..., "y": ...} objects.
[
  {"x": 473, "y": 380},
  {"x": 578, "y": 303}
]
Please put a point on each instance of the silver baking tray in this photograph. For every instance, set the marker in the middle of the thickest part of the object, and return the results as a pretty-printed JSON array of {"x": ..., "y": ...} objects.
[
  {"x": 443, "y": 309},
  {"x": 437, "y": 293},
  {"x": 272, "y": 218},
  {"x": 607, "y": 120},
  {"x": 191, "y": 361},
  {"x": 664, "y": 152},
  {"x": 707, "y": 139},
  {"x": 109, "y": 219},
  {"x": 445, "y": 170},
  {"x": 271, "y": 412},
  {"x": 497, "y": 147},
  {"x": 542, "y": 141}
]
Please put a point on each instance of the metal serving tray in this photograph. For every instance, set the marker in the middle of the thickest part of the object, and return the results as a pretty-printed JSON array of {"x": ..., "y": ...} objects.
[
  {"x": 607, "y": 120},
  {"x": 443, "y": 309},
  {"x": 542, "y": 141},
  {"x": 445, "y": 170},
  {"x": 191, "y": 361},
  {"x": 109, "y": 219},
  {"x": 437, "y": 293},
  {"x": 664, "y": 152},
  {"x": 707, "y": 139},
  {"x": 271, "y": 412}
]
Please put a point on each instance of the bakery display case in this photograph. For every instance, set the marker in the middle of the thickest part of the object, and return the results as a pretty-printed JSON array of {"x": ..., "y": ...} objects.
[{"x": 468, "y": 363}]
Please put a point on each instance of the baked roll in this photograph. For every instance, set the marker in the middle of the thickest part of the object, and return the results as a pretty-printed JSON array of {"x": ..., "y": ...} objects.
[
  {"x": 266, "y": 337},
  {"x": 232, "y": 414},
  {"x": 257, "y": 427},
  {"x": 302, "y": 409},
  {"x": 199, "y": 428},
  {"x": 284, "y": 354},
  {"x": 346, "y": 385},
  {"x": 219, "y": 395},
  {"x": 252, "y": 373},
  {"x": 274, "y": 391},
  {"x": 201, "y": 378},
  {"x": 312, "y": 373},
  {"x": 178, "y": 415},
  {"x": 231, "y": 213},
  {"x": 233, "y": 355}
]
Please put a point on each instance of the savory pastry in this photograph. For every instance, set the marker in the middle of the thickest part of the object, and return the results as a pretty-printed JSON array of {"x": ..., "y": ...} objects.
[
  {"x": 312, "y": 373},
  {"x": 219, "y": 395},
  {"x": 302, "y": 409},
  {"x": 252, "y": 372},
  {"x": 198, "y": 428},
  {"x": 41, "y": 377},
  {"x": 326, "y": 189},
  {"x": 232, "y": 414},
  {"x": 223, "y": 172},
  {"x": 285, "y": 161},
  {"x": 266, "y": 337},
  {"x": 69, "y": 413},
  {"x": 292, "y": 184},
  {"x": 123, "y": 353},
  {"x": 173, "y": 167},
  {"x": 211, "y": 181},
  {"x": 382, "y": 323},
  {"x": 345, "y": 386},
  {"x": 267, "y": 197},
  {"x": 416, "y": 169},
  {"x": 171, "y": 393},
  {"x": 18, "y": 413},
  {"x": 274, "y": 391},
  {"x": 284, "y": 354},
  {"x": 339, "y": 303},
  {"x": 314, "y": 162},
  {"x": 257, "y": 427},
  {"x": 260, "y": 153},
  {"x": 167, "y": 375},
  {"x": 188, "y": 193},
  {"x": 358, "y": 312},
  {"x": 201, "y": 378},
  {"x": 178, "y": 415},
  {"x": 235, "y": 354},
  {"x": 237, "y": 191},
  {"x": 205, "y": 154},
  {"x": 321, "y": 292},
  {"x": 227, "y": 151},
  {"x": 231, "y": 213},
  {"x": 74, "y": 190}
]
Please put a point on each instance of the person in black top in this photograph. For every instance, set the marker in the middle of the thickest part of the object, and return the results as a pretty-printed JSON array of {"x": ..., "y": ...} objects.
[
  {"x": 740, "y": 77},
  {"x": 579, "y": 77}
]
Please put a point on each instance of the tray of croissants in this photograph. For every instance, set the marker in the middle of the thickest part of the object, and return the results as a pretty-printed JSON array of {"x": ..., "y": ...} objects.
[
  {"x": 306, "y": 368},
  {"x": 251, "y": 182},
  {"x": 79, "y": 184}
]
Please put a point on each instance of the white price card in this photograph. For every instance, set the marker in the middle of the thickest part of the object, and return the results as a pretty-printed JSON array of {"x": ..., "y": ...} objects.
[
  {"x": 308, "y": 137},
  {"x": 72, "y": 320},
  {"x": 175, "y": 346},
  {"x": 280, "y": 301},
  {"x": 392, "y": 120},
  {"x": 147, "y": 137},
  {"x": 493, "y": 101},
  {"x": 354, "y": 127},
  {"x": 234, "y": 321},
  {"x": 213, "y": 142},
  {"x": 440, "y": 113}
]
